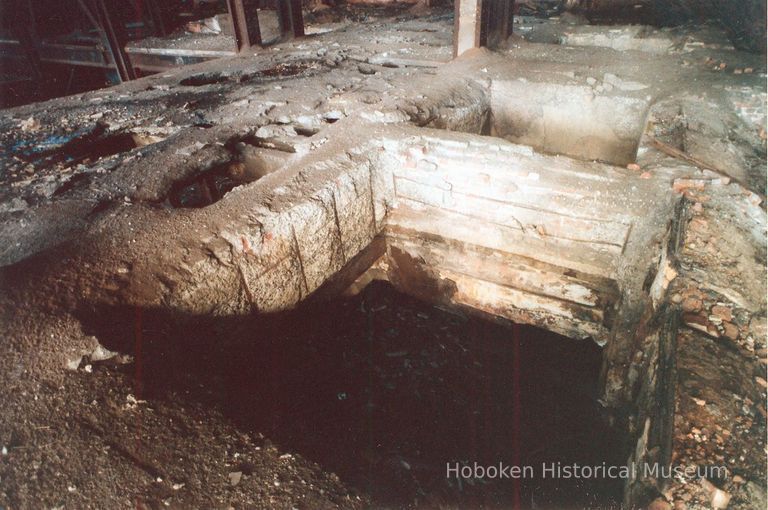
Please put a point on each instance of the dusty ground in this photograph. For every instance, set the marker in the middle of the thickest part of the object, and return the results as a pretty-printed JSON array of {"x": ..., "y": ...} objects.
[{"x": 355, "y": 403}]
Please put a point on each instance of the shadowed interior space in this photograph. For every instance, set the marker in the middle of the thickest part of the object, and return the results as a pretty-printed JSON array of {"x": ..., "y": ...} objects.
[{"x": 388, "y": 392}]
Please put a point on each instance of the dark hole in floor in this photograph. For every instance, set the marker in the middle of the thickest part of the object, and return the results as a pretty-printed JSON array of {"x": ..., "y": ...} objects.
[
  {"x": 385, "y": 391},
  {"x": 251, "y": 159},
  {"x": 109, "y": 145},
  {"x": 283, "y": 69},
  {"x": 201, "y": 192},
  {"x": 200, "y": 79},
  {"x": 85, "y": 146},
  {"x": 307, "y": 131},
  {"x": 278, "y": 71},
  {"x": 208, "y": 187}
]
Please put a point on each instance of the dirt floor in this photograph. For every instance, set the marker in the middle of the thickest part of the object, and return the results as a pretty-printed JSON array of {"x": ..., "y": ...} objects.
[{"x": 359, "y": 402}]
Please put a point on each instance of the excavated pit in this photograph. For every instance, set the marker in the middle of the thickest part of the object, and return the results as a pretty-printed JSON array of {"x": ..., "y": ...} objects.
[
  {"x": 463, "y": 226},
  {"x": 469, "y": 222},
  {"x": 595, "y": 120},
  {"x": 570, "y": 120},
  {"x": 205, "y": 189},
  {"x": 498, "y": 186},
  {"x": 386, "y": 391}
]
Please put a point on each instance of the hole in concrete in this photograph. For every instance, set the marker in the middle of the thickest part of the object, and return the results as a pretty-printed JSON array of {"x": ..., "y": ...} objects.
[
  {"x": 306, "y": 130},
  {"x": 575, "y": 120},
  {"x": 249, "y": 163},
  {"x": 73, "y": 182},
  {"x": 113, "y": 144},
  {"x": 588, "y": 119},
  {"x": 385, "y": 390},
  {"x": 84, "y": 147},
  {"x": 283, "y": 70},
  {"x": 198, "y": 80},
  {"x": 208, "y": 187}
]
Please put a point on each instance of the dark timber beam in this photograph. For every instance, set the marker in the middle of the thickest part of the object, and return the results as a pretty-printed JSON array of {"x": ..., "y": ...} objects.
[
  {"x": 501, "y": 29},
  {"x": 245, "y": 22},
  {"x": 25, "y": 31},
  {"x": 156, "y": 17},
  {"x": 291, "y": 18}
]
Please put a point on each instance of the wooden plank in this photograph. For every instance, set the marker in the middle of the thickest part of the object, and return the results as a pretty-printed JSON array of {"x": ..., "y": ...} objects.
[
  {"x": 417, "y": 219},
  {"x": 499, "y": 21},
  {"x": 607, "y": 234},
  {"x": 524, "y": 307},
  {"x": 351, "y": 271},
  {"x": 297, "y": 18},
  {"x": 572, "y": 197},
  {"x": 480, "y": 23},
  {"x": 116, "y": 39},
  {"x": 423, "y": 277},
  {"x": 512, "y": 271},
  {"x": 511, "y": 157},
  {"x": 245, "y": 23}
]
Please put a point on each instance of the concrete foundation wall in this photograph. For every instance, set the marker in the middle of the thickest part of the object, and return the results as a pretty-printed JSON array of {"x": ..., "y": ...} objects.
[{"x": 566, "y": 119}]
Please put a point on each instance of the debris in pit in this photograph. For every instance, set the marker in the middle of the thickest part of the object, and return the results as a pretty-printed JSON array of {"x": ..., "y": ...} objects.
[
  {"x": 203, "y": 191},
  {"x": 16, "y": 204},
  {"x": 132, "y": 402},
  {"x": 235, "y": 477}
]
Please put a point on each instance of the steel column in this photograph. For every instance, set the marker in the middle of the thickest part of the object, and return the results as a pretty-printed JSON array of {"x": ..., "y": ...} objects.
[{"x": 116, "y": 42}]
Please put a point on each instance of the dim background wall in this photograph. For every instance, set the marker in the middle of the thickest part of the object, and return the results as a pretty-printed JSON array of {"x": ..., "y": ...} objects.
[{"x": 744, "y": 20}]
